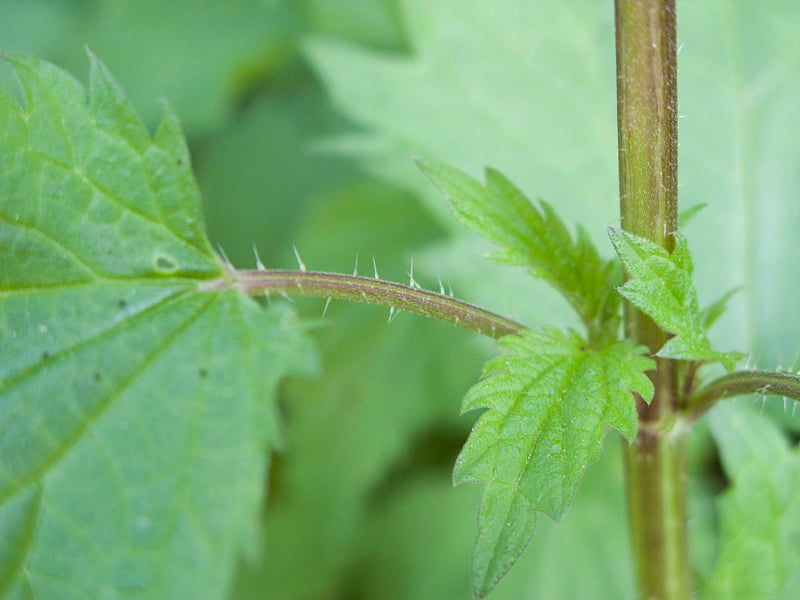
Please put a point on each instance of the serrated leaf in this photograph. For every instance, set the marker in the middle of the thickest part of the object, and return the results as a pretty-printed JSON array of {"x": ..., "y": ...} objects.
[
  {"x": 135, "y": 397},
  {"x": 660, "y": 285},
  {"x": 532, "y": 237},
  {"x": 759, "y": 549},
  {"x": 372, "y": 22},
  {"x": 528, "y": 87},
  {"x": 550, "y": 401}
]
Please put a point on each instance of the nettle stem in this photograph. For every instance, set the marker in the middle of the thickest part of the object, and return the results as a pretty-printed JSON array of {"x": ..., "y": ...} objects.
[
  {"x": 648, "y": 140},
  {"x": 394, "y": 296}
]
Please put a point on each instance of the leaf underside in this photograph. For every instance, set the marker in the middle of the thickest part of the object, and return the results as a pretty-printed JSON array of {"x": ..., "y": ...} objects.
[
  {"x": 549, "y": 402},
  {"x": 134, "y": 406}
]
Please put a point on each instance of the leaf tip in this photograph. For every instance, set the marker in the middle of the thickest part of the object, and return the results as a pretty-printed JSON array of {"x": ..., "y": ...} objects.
[{"x": 425, "y": 165}]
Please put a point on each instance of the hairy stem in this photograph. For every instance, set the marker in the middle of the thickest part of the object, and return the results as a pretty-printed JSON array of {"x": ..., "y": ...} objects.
[
  {"x": 648, "y": 140},
  {"x": 395, "y": 296},
  {"x": 739, "y": 383}
]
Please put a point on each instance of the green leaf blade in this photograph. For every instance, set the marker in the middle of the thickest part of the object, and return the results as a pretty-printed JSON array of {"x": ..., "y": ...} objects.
[
  {"x": 759, "y": 524},
  {"x": 105, "y": 192},
  {"x": 549, "y": 402},
  {"x": 136, "y": 400},
  {"x": 532, "y": 237}
]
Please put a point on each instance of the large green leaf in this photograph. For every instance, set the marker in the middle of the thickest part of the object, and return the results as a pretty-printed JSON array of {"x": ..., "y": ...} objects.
[
  {"x": 759, "y": 551},
  {"x": 549, "y": 403},
  {"x": 135, "y": 397},
  {"x": 739, "y": 96},
  {"x": 528, "y": 88}
]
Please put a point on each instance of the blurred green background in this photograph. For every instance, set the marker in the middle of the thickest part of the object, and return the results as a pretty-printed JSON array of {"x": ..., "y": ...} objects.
[{"x": 303, "y": 116}]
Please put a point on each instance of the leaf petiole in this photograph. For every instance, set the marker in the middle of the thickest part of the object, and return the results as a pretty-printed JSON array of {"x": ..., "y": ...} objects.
[
  {"x": 739, "y": 383},
  {"x": 395, "y": 296}
]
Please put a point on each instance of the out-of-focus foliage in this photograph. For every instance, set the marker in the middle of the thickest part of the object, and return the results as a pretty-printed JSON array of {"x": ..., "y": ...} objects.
[
  {"x": 759, "y": 523},
  {"x": 302, "y": 116}
]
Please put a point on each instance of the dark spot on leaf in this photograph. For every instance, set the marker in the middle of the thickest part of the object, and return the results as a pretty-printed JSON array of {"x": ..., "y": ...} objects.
[
  {"x": 179, "y": 162},
  {"x": 164, "y": 263},
  {"x": 121, "y": 303},
  {"x": 45, "y": 355},
  {"x": 96, "y": 376},
  {"x": 203, "y": 372}
]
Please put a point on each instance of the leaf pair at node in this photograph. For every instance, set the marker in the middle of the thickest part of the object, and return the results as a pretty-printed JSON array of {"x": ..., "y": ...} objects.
[
  {"x": 660, "y": 285},
  {"x": 551, "y": 398}
]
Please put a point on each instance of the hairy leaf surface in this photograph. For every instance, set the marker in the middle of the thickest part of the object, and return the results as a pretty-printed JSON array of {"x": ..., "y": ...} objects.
[
  {"x": 549, "y": 402},
  {"x": 660, "y": 285},
  {"x": 135, "y": 401},
  {"x": 532, "y": 237},
  {"x": 759, "y": 551}
]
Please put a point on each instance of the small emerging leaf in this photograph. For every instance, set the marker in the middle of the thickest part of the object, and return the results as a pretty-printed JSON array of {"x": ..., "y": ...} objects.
[
  {"x": 550, "y": 401},
  {"x": 532, "y": 237},
  {"x": 660, "y": 285}
]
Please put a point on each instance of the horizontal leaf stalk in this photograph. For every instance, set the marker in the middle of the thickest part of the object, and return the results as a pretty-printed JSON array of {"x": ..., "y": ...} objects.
[
  {"x": 395, "y": 296},
  {"x": 739, "y": 383}
]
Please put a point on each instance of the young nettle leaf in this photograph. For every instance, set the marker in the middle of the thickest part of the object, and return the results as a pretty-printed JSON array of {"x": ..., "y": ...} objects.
[
  {"x": 549, "y": 402},
  {"x": 534, "y": 237},
  {"x": 135, "y": 395},
  {"x": 660, "y": 285},
  {"x": 760, "y": 512}
]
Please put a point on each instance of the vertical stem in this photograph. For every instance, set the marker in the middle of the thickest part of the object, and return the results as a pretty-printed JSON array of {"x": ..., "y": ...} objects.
[{"x": 648, "y": 141}]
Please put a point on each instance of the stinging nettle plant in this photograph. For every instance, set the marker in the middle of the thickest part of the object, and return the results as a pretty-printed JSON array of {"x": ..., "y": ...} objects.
[{"x": 125, "y": 337}]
